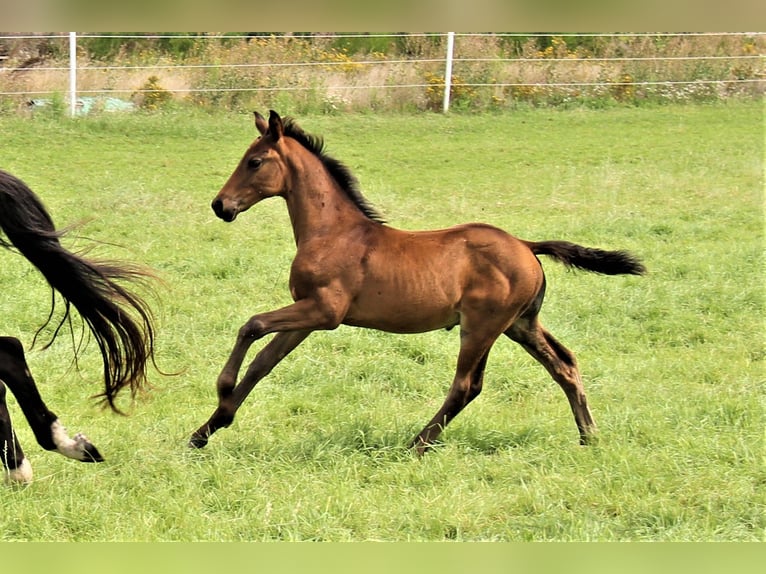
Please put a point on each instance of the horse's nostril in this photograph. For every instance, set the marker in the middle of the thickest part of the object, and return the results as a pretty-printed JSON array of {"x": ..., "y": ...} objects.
[{"x": 221, "y": 211}]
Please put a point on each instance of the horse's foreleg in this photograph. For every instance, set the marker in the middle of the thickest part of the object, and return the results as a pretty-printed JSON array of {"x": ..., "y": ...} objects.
[
  {"x": 292, "y": 324},
  {"x": 230, "y": 397},
  {"x": 562, "y": 366},
  {"x": 303, "y": 315},
  {"x": 466, "y": 386},
  {"x": 17, "y": 467},
  {"x": 48, "y": 430}
]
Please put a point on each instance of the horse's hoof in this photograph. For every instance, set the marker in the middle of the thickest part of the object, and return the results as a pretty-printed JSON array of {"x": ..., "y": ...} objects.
[
  {"x": 78, "y": 448},
  {"x": 419, "y": 447},
  {"x": 89, "y": 451},
  {"x": 197, "y": 441},
  {"x": 20, "y": 475},
  {"x": 589, "y": 440}
]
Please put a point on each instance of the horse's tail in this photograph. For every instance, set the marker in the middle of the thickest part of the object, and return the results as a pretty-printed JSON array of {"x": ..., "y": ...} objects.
[
  {"x": 588, "y": 258},
  {"x": 120, "y": 321}
]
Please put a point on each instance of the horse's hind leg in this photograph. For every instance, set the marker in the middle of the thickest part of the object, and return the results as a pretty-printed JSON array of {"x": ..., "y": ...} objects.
[
  {"x": 17, "y": 467},
  {"x": 561, "y": 364},
  {"x": 466, "y": 386},
  {"x": 48, "y": 430}
]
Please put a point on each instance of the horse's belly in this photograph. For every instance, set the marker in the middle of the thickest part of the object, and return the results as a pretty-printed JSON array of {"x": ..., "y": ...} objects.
[{"x": 398, "y": 315}]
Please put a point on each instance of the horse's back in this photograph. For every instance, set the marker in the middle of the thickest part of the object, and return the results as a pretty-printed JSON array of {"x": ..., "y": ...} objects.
[{"x": 484, "y": 248}]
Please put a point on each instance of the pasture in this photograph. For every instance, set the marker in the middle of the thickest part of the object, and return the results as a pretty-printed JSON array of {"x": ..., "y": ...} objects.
[{"x": 673, "y": 363}]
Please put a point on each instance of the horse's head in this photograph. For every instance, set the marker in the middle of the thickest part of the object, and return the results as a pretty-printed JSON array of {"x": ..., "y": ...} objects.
[{"x": 260, "y": 173}]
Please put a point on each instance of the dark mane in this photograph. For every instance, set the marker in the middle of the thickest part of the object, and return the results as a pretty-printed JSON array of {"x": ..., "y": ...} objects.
[{"x": 339, "y": 172}]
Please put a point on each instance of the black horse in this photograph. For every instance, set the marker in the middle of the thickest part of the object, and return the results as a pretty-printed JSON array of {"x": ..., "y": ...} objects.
[{"x": 120, "y": 321}]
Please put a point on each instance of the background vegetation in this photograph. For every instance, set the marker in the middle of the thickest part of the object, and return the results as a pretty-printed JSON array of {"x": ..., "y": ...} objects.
[
  {"x": 326, "y": 73},
  {"x": 672, "y": 362}
]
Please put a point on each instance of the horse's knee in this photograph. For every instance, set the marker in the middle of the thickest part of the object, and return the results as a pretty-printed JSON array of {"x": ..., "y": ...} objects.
[
  {"x": 252, "y": 330},
  {"x": 460, "y": 394}
]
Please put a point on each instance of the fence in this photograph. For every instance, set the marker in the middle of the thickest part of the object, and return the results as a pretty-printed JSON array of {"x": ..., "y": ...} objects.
[{"x": 434, "y": 71}]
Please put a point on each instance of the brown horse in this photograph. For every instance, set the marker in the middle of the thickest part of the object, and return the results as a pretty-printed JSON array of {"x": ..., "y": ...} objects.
[
  {"x": 352, "y": 269},
  {"x": 119, "y": 320}
]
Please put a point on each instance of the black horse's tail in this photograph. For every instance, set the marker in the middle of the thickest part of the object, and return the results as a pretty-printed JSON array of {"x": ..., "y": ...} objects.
[
  {"x": 120, "y": 321},
  {"x": 589, "y": 259}
]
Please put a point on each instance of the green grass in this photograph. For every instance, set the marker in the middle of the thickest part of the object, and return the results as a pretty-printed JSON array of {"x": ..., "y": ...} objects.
[{"x": 672, "y": 362}]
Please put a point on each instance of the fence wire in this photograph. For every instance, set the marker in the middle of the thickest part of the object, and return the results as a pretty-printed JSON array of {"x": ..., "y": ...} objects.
[{"x": 543, "y": 69}]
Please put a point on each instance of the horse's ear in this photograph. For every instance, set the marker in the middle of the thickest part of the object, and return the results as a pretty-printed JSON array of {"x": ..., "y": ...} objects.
[
  {"x": 260, "y": 123},
  {"x": 275, "y": 125}
]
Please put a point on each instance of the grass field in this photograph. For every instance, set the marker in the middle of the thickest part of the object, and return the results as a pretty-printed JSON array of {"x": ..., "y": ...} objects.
[{"x": 673, "y": 362}]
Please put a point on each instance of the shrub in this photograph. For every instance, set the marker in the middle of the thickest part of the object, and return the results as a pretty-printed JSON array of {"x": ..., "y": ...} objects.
[
  {"x": 462, "y": 95},
  {"x": 152, "y": 96}
]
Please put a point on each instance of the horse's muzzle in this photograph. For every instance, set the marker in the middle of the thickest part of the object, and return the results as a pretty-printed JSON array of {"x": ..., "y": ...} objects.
[{"x": 225, "y": 214}]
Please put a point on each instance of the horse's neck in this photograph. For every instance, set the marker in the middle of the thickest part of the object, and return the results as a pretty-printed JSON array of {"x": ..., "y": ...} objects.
[{"x": 317, "y": 205}]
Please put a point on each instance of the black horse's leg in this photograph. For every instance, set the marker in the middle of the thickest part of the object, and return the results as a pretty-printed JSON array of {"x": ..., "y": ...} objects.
[
  {"x": 17, "y": 467},
  {"x": 230, "y": 397},
  {"x": 562, "y": 366},
  {"x": 48, "y": 430}
]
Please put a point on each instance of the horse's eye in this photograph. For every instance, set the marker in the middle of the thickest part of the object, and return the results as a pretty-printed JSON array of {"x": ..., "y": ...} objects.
[{"x": 254, "y": 163}]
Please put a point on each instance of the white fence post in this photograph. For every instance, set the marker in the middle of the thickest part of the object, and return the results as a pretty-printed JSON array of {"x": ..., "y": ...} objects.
[
  {"x": 72, "y": 73},
  {"x": 448, "y": 70}
]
